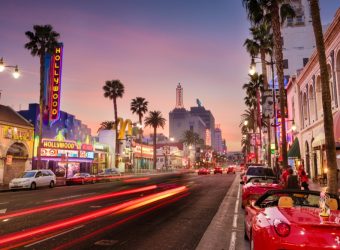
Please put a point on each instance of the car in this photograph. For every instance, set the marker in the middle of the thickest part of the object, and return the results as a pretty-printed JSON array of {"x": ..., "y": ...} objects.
[
  {"x": 218, "y": 170},
  {"x": 231, "y": 169},
  {"x": 257, "y": 170},
  {"x": 291, "y": 219},
  {"x": 256, "y": 186},
  {"x": 32, "y": 179},
  {"x": 108, "y": 174},
  {"x": 81, "y": 178},
  {"x": 203, "y": 171}
]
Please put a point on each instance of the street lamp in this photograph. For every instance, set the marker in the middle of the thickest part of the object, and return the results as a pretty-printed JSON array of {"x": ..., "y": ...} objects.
[
  {"x": 15, "y": 73},
  {"x": 245, "y": 123}
]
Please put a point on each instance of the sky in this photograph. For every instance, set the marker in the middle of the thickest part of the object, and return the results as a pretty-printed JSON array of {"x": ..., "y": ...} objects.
[{"x": 149, "y": 45}]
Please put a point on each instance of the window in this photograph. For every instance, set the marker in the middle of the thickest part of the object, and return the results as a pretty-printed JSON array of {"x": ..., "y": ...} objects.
[
  {"x": 305, "y": 61},
  {"x": 285, "y": 63}
]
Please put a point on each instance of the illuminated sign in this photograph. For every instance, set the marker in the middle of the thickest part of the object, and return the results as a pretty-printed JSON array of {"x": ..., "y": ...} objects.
[
  {"x": 87, "y": 147},
  {"x": 55, "y": 83},
  {"x": 17, "y": 133},
  {"x": 59, "y": 144}
]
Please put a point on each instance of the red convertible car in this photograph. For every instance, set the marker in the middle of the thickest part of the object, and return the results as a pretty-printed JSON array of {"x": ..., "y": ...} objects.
[
  {"x": 81, "y": 178},
  {"x": 231, "y": 169},
  {"x": 257, "y": 186},
  {"x": 203, "y": 171},
  {"x": 291, "y": 219}
]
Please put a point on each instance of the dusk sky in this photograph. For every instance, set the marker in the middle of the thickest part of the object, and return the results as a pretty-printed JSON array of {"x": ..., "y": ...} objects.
[{"x": 149, "y": 45}]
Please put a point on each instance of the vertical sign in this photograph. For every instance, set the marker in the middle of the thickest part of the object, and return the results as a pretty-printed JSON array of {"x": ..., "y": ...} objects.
[{"x": 55, "y": 83}]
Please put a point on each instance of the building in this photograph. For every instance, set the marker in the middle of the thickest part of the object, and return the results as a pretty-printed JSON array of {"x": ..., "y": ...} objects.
[
  {"x": 66, "y": 144},
  {"x": 218, "y": 139},
  {"x": 16, "y": 144},
  {"x": 305, "y": 103}
]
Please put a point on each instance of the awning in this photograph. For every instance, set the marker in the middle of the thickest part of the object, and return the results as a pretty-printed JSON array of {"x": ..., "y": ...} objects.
[{"x": 294, "y": 151}]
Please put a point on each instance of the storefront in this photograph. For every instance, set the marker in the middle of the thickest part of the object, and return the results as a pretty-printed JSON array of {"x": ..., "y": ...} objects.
[
  {"x": 101, "y": 159},
  {"x": 16, "y": 144},
  {"x": 65, "y": 158},
  {"x": 142, "y": 157}
]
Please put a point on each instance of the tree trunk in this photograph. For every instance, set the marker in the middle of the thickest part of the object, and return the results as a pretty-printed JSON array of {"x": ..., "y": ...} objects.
[
  {"x": 41, "y": 100},
  {"x": 141, "y": 129},
  {"x": 274, "y": 10},
  {"x": 154, "y": 147},
  {"x": 265, "y": 84},
  {"x": 117, "y": 141},
  {"x": 255, "y": 130},
  {"x": 332, "y": 185}
]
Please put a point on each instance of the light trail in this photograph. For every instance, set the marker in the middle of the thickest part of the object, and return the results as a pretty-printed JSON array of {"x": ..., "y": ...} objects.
[
  {"x": 136, "y": 179},
  {"x": 90, "y": 216},
  {"x": 76, "y": 202}
]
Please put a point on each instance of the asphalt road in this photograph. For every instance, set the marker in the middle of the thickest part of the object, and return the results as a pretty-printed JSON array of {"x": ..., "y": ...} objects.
[{"x": 171, "y": 211}]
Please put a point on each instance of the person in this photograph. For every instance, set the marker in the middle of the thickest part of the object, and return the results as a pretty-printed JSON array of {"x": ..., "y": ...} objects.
[
  {"x": 303, "y": 178},
  {"x": 292, "y": 180},
  {"x": 284, "y": 175}
]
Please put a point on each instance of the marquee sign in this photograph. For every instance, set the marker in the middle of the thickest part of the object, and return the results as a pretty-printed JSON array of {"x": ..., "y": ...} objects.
[
  {"x": 59, "y": 144},
  {"x": 55, "y": 83}
]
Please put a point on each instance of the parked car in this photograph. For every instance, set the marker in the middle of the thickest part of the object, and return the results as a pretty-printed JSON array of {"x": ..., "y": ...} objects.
[
  {"x": 108, "y": 174},
  {"x": 218, "y": 170},
  {"x": 81, "y": 178},
  {"x": 203, "y": 171},
  {"x": 257, "y": 186},
  {"x": 290, "y": 219},
  {"x": 231, "y": 170},
  {"x": 33, "y": 179},
  {"x": 255, "y": 171}
]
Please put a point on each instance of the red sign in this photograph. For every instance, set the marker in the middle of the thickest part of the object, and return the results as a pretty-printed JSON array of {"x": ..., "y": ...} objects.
[
  {"x": 87, "y": 147},
  {"x": 55, "y": 83}
]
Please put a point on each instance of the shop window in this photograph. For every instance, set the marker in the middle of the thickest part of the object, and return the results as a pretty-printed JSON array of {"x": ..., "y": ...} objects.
[{"x": 285, "y": 63}]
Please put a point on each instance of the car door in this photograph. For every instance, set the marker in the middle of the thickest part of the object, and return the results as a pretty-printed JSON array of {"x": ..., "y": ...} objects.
[
  {"x": 39, "y": 179},
  {"x": 47, "y": 177}
]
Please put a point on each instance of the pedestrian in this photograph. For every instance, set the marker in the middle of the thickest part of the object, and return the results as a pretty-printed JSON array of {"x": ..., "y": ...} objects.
[
  {"x": 303, "y": 178},
  {"x": 292, "y": 180},
  {"x": 284, "y": 175}
]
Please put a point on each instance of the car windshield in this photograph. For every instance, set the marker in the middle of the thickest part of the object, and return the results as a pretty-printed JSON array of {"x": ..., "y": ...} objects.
[
  {"x": 262, "y": 179},
  {"x": 27, "y": 174},
  {"x": 260, "y": 171},
  {"x": 77, "y": 175},
  {"x": 299, "y": 199}
]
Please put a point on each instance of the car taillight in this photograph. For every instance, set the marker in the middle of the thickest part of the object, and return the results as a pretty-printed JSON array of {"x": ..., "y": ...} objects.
[{"x": 281, "y": 228}]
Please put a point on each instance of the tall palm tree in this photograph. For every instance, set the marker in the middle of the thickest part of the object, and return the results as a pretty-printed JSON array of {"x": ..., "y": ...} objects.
[
  {"x": 154, "y": 120},
  {"x": 139, "y": 106},
  {"x": 249, "y": 116},
  {"x": 114, "y": 89},
  {"x": 42, "y": 40},
  {"x": 265, "y": 10},
  {"x": 262, "y": 43},
  {"x": 106, "y": 125},
  {"x": 332, "y": 185}
]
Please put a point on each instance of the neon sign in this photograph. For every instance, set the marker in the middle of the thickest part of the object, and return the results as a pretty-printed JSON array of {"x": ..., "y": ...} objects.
[
  {"x": 55, "y": 83},
  {"x": 59, "y": 144}
]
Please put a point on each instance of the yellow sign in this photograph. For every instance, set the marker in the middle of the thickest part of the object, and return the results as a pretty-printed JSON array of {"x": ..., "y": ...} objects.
[
  {"x": 122, "y": 128},
  {"x": 59, "y": 144},
  {"x": 17, "y": 133}
]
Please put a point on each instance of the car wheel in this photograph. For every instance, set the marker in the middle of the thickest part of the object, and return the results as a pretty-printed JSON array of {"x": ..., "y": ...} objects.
[
  {"x": 33, "y": 186},
  {"x": 52, "y": 184}
]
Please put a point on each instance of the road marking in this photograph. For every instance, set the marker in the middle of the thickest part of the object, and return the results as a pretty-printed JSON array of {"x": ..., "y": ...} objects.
[
  {"x": 56, "y": 235},
  {"x": 2, "y": 211},
  {"x": 235, "y": 221},
  {"x": 1, "y": 203},
  {"x": 68, "y": 197},
  {"x": 232, "y": 241},
  {"x": 236, "y": 206}
]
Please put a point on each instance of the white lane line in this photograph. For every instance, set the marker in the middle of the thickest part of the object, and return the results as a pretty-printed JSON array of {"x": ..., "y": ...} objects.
[
  {"x": 1, "y": 203},
  {"x": 232, "y": 241},
  {"x": 3, "y": 211},
  {"x": 235, "y": 221},
  {"x": 236, "y": 206},
  {"x": 238, "y": 192},
  {"x": 56, "y": 235}
]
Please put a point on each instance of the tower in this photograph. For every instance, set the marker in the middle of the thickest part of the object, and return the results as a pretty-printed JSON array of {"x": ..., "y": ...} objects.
[{"x": 179, "y": 96}]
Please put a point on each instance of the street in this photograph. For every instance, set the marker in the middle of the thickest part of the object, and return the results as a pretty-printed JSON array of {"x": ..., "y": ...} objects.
[{"x": 169, "y": 211}]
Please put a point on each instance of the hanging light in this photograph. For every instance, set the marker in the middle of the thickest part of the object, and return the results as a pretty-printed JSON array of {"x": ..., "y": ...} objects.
[
  {"x": 2, "y": 65},
  {"x": 252, "y": 68},
  {"x": 16, "y": 73}
]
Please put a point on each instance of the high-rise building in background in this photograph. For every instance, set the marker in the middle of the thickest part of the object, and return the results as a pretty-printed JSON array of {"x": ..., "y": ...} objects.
[
  {"x": 198, "y": 120},
  {"x": 218, "y": 139}
]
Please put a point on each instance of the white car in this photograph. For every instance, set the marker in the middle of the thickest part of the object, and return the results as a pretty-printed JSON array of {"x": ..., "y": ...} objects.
[{"x": 33, "y": 179}]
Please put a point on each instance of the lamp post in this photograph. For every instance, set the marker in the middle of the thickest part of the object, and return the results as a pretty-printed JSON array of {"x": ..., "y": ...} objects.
[
  {"x": 15, "y": 73},
  {"x": 252, "y": 71}
]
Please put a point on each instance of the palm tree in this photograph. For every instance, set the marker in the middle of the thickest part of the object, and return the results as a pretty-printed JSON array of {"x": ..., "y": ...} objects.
[
  {"x": 154, "y": 120},
  {"x": 262, "y": 44},
  {"x": 332, "y": 185},
  {"x": 263, "y": 11},
  {"x": 42, "y": 40},
  {"x": 107, "y": 125},
  {"x": 139, "y": 106},
  {"x": 113, "y": 90}
]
